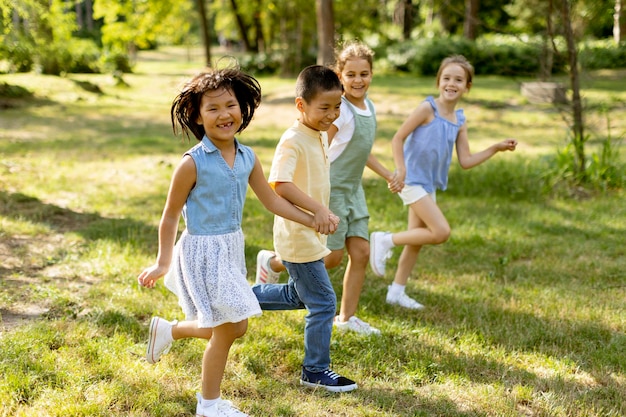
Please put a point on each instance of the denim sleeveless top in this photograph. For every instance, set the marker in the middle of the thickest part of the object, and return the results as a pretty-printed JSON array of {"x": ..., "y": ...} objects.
[
  {"x": 215, "y": 204},
  {"x": 346, "y": 171},
  {"x": 428, "y": 151}
]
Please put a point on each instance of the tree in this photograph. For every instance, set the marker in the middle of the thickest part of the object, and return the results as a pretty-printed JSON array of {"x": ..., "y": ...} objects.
[
  {"x": 243, "y": 27},
  {"x": 325, "y": 31},
  {"x": 470, "y": 24},
  {"x": 578, "y": 131},
  {"x": 404, "y": 16},
  {"x": 619, "y": 21},
  {"x": 129, "y": 25},
  {"x": 206, "y": 34}
]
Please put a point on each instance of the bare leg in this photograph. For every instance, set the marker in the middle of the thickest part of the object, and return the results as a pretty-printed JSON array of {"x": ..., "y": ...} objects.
[
  {"x": 426, "y": 225},
  {"x": 277, "y": 265},
  {"x": 216, "y": 355},
  {"x": 187, "y": 329},
  {"x": 354, "y": 276}
]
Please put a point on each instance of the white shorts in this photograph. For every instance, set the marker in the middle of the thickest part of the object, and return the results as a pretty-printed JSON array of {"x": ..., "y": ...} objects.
[{"x": 412, "y": 193}]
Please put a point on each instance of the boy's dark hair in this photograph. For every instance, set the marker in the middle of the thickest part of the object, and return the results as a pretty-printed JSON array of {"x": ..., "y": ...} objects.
[
  {"x": 186, "y": 106},
  {"x": 315, "y": 79}
]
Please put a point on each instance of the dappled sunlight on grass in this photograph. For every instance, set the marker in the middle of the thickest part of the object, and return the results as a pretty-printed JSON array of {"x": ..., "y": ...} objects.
[{"x": 524, "y": 302}]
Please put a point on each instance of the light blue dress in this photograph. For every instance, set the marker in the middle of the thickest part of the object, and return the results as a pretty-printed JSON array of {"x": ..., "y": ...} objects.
[{"x": 428, "y": 151}]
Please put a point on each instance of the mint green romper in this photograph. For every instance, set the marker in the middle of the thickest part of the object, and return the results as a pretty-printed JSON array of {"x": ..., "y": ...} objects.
[{"x": 347, "y": 198}]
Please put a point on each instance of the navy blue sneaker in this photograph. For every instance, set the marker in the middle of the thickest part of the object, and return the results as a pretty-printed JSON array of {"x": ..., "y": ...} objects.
[{"x": 328, "y": 380}]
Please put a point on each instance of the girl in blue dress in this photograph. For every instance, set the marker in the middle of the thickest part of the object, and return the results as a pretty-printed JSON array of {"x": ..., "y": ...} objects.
[
  {"x": 206, "y": 268},
  {"x": 422, "y": 151}
]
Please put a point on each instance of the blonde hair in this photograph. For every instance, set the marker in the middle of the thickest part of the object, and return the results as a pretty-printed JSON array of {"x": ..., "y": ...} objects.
[
  {"x": 353, "y": 50},
  {"x": 461, "y": 61}
]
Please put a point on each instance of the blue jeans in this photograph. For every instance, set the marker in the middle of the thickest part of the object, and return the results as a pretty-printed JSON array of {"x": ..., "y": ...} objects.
[{"x": 308, "y": 287}]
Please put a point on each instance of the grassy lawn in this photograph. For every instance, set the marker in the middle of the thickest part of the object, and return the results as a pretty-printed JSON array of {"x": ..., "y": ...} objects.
[{"x": 525, "y": 303}]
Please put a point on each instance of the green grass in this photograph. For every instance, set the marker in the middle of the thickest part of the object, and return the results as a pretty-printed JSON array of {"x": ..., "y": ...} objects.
[{"x": 525, "y": 301}]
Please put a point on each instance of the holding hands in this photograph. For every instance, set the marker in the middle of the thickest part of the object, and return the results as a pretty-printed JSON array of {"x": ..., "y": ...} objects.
[
  {"x": 395, "y": 184},
  {"x": 325, "y": 221}
]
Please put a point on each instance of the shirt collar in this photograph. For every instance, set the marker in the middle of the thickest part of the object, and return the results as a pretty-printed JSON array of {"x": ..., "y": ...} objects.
[
  {"x": 209, "y": 147},
  {"x": 307, "y": 130}
]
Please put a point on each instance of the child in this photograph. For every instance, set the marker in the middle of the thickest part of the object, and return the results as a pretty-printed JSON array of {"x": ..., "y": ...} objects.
[
  {"x": 422, "y": 151},
  {"x": 351, "y": 139},
  {"x": 300, "y": 173},
  {"x": 209, "y": 188}
]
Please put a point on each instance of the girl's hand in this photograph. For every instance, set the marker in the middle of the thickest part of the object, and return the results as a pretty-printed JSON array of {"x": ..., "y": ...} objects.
[
  {"x": 394, "y": 184},
  {"x": 322, "y": 221},
  {"x": 334, "y": 221},
  {"x": 507, "y": 145},
  {"x": 151, "y": 275}
]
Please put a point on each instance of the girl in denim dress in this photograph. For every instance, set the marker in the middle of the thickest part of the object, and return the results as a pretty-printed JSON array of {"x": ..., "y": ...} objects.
[{"x": 206, "y": 268}]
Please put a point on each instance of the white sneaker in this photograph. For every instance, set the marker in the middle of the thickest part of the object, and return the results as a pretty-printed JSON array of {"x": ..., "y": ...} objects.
[
  {"x": 404, "y": 300},
  {"x": 356, "y": 325},
  {"x": 221, "y": 408},
  {"x": 159, "y": 338},
  {"x": 379, "y": 252},
  {"x": 264, "y": 272}
]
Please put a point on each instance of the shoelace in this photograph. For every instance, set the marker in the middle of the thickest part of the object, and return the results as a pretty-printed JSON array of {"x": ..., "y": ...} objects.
[{"x": 331, "y": 374}]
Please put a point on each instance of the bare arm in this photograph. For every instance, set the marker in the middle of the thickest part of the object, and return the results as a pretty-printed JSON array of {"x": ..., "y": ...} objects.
[
  {"x": 421, "y": 115},
  {"x": 374, "y": 164},
  {"x": 468, "y": 160},
  {"x": 272, "y": 201},
  {"x": 325, "y": 220},
  {"x": 183, "y": 180}
]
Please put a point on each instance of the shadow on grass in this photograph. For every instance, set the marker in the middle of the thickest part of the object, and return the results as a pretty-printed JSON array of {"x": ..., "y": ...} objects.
[
  {"x": 91, "y": 226},
  {"x": 579, "y": 361},
  {"x": 91, "y": 133},
  {"x": 25, "y": 257}
]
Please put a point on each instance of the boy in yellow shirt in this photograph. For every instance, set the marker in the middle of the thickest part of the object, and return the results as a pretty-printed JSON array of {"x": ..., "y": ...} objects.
[{"x": 300, "y": 173}]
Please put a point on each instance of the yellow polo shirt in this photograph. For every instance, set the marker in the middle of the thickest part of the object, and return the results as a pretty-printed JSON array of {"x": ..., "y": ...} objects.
[{"x": 301, "y": 158}]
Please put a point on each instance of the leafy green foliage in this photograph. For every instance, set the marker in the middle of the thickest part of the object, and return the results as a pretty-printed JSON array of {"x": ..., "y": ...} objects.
[
  {"x": 602, "y": 54},
  {"x": 491, "y": 54}
]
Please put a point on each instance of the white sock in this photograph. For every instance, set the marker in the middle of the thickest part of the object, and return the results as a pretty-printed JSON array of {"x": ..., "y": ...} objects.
[
  {"x": 396, "y": 289},
  {"x": 173, "y": 323},
  {"x": 208, "y": 403},
  {"x": 388, "y": 241}
]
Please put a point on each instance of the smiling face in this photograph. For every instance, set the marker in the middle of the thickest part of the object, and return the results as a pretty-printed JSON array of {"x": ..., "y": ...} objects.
[
  {"x": 356, "y": 77},
  {"x": 321, "y": 111},
  {"x": 220, "y": 115},
  {"x": 453, "y": 82}
]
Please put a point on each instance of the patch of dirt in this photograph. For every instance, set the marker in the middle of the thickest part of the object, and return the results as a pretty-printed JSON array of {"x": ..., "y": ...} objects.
[{"x": 25, "y": 272}]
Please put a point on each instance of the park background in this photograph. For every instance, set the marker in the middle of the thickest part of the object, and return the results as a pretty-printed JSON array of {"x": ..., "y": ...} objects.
[{"x": 525, "y": 301}]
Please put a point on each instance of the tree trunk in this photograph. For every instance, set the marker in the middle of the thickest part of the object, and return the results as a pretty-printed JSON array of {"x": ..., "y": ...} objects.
[
  {"x": 578, "y": 132},
  {"x": 243, "y": 28},
  {"x": 206, "y": 35},
  {"x": 258, "y": 27},
  {"x": 470, "y": 25},
  {"x": 619, "y": 21},
  {"x": 89, "y": 14},
  {"x": 80, "y": 22},
  {"x": 325, "y": 32},
  {"x": 403, "y": 16},
  {"x": 430, "y": 13}
]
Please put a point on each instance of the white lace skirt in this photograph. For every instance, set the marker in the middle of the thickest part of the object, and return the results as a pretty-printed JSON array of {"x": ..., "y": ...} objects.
[{"x": 208, "y": 274}]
